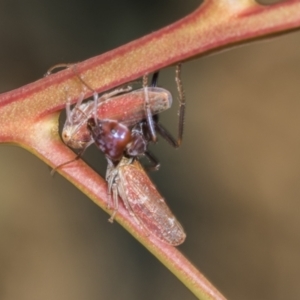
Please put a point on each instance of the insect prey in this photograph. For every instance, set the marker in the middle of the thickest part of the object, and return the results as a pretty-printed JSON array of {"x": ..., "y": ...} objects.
[
  {"x": 122, "y": 104},
  {"x": 144, "y": 203}
]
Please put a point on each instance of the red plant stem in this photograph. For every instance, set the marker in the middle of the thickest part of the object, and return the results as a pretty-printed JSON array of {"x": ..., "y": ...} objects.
[
  {"x": 214, "y": 25},
  {"x": 95, "y": 187},
  {"x": 28, "y": 115}
]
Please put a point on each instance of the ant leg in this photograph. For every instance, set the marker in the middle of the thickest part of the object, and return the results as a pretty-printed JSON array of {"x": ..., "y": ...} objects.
[
  {"x": 165, "y": 134},
  {"x": 160, "y": 129},
  {"x": 155, "y": 165},
  {"x": 154, "y": 79},
  {"x": 147, "y": 109}
]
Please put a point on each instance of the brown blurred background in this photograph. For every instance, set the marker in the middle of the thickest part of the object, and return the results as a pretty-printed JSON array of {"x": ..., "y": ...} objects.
[{"x": 234, "y": 183}]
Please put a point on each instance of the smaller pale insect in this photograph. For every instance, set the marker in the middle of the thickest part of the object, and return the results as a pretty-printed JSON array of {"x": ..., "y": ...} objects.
[
  {"x": 126, "y": 108},
  {"x": 123, "y": 105},
  {"x": 144, "y": 203}
]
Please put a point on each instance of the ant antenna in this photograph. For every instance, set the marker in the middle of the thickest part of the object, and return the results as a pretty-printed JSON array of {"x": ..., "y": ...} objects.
[
  {"x": 53, "y": 171},
  {"x": 70, "y": 161}
]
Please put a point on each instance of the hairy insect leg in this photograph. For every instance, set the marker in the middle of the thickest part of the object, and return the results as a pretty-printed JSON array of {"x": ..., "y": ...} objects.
[
  {"x": 75, "y": 71},
  {"x": 110, "y": 177},
  {"x": 104, "y": 97},
  {"x": 160, "y": 129},
  {"x": 96, "y": 97},
  {"x": 74, "y": 66},
  {"x": 72, "y": 117},
  {"x": 95, "y": 94},
  {"x": 115, "y": 198},
  {"x": 68, "y": 110},
  {"x": 147, "y": 109},
  {"x": 117, "y": 190}
]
